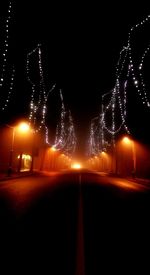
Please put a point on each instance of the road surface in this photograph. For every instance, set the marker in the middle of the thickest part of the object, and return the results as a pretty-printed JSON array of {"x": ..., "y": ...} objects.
[{"x": 74, "y": 223}]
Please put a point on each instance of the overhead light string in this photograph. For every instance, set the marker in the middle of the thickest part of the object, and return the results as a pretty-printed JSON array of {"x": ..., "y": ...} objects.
[{"x": 5, "y": 69}]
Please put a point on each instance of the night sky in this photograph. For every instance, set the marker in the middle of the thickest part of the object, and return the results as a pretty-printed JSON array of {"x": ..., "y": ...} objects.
[{"x": 80, "y": 48}]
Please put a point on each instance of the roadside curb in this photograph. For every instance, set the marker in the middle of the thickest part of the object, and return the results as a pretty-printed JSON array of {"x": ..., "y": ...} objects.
[
  {"x": 7, "y": 178},
  {"x": 140, "y": 181}
]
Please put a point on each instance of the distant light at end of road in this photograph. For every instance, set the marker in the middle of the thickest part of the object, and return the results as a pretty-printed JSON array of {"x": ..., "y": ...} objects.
[{"x": 76, "y": 166}]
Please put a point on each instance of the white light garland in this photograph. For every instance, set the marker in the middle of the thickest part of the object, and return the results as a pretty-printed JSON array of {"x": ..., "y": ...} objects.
[
  {"x": 10, "y": 90},
  {"x": 96, "y": 138},
  {"x": 39, "y": 97},
  {"x": 65, "y": 139},
  {"x": 5, "y": 51},
  {"x": 138, "y": 81},
  {"x": 71, "y": 139},
  {"x": 4, "y": 103},
  {"x": 118, "y": 96}
]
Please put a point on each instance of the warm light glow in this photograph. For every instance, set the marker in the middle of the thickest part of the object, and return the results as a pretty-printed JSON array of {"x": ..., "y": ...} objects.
[
  {"x": 126, "y": 140},
  {"x": 76, "y": 166},
  {"x": 53, "y": 149},
  {"x": 27, "y": 157},
  {"x": 23, "y": 127}
]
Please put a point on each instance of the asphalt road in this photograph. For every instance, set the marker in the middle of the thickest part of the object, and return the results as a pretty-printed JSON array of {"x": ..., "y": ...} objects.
[{"x": 74, "y": 223}]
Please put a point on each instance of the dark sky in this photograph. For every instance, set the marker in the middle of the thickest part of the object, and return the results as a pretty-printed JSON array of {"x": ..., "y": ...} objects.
[{"x": 80, "y": 44}]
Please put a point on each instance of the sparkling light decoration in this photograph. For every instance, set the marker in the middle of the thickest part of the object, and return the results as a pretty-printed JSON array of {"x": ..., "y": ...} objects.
[
  {"x": 71, "y": 139},
  {"x": 7, "y": 100},
  {"x": 39, "y": 96},
  {"x": 137, "y": 70},
  {"x": 65, "y": 139},
  {"x": 116, "y": 101},
  {"x": 60, "y": 138},
  {"x": 97, "y": 141},
  {"x": 115, "y": 108},
  {"x": 4, "y": 61},
  {"x": 92, "y": 144}
]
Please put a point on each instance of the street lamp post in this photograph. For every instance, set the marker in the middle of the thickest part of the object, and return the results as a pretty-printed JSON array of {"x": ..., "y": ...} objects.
[
  {"x": 53, "y": 156},
  {"x": 33, "y": 150},
  {"x": 134, "y": 158},
  {"x": 11, "y": 151},
  {"x": 131, "y": 142}
]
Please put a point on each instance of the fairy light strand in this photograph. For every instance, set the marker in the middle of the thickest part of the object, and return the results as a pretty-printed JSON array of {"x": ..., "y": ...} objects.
[
  {"x": 135, "y": 71},
  {"x": 39, "y": 96},
  {"x": 6, "y": 44},
  {"x": 3, "y": 75},
  {"x": 10, "y": 90},
  {"x": 118, "y": 96},
  {"x": 65, "y": 139}
]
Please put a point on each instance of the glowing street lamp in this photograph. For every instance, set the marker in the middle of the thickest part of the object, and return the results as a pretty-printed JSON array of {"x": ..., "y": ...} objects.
[
  {"x": 127, "y": 141},
  {"x": 53, "y": 154},
  {"x": 22, "y": 127},
  {"x": 53, "y": 149}
]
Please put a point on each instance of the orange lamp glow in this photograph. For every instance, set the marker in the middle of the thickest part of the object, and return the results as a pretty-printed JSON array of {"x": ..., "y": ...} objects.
[
  {"x": 126, "y": 140},
  {"x": 23, "y": 127},
  {"x": 53, "y": 149},
  {"x": 76, "y": 166}
]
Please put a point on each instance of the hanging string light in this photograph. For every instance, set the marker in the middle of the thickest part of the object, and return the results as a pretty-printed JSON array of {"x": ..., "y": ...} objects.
[
  {"x": 93, "y": 142},
  {"x": 39, "y": 96},
  {"x": 118, "y": 95},
  {"x": 5, "y": 51},
  {"x": 136, "y": 71},
  {"x": 4, "y": 61},
  {"x": 71, "y": 139},
  {"x": 143, "y": 86},
  {"x": 65, "y": 135},
  {"x": 65, "y": 139},
  {"x": 10, "y": 90},
  {"x": 60, "y": 138}
]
